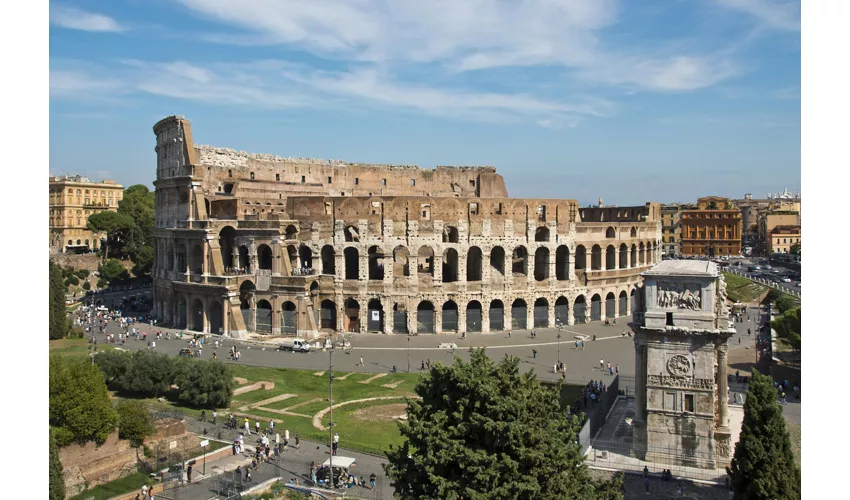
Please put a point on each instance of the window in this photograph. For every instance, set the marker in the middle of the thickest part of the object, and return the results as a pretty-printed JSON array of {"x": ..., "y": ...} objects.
[
  {"x": 277, "y": 177},
  {"x": 473, "y": 209},
  {"x": 330, "y": 180},
  {"x": 670, "y": 319},
  {"x": 689, "y": 403},
  {"x": 303, "y": 179},
  {"x": 412, "y": 182},
  {"x": 87, "y": 191},
  {"x": 252, "y": 176},
  {"x": 356, "y": 181},
  {"x": 230, "y": 173},
  {"x": 383, "y": 182},
  {"x": 498, "y": 209}
]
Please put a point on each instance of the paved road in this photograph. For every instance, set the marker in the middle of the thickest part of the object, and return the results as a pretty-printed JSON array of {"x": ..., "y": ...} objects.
[
  {"x": 381, "y": 352},
  {"x": 293, "y": 463}
]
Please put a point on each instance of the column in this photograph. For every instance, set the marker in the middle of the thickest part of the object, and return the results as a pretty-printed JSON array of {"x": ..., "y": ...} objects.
[
  {"x": 225, "y": 317},
  {"x": 529, "y": 314},
  {"x": 206, "y": 319},
  {"x": 486, "y": 271},
  {"x": 189, "y": 318},
  {"x": 485, "y": 316},
  {"x": 722, "y": 385},
  {"x": 461, "y": 318},
  {"x": 571, "y": 318},
  {"x": 363, "y": 267},
  {"x": 438, "y": 318},
  {"x": 276, "y": 319},
  {"x": 571, "y": 268},
  {"x": 640, "y": 381},
  {"x": 205, "y": 248},
  {"x": 530, "y": 258},
  {"x": 551, "y": 311},
  {"x": 553, "y": 255},
  {"x": 438, "y": 269},
  {"x": 339, "y": 266}
]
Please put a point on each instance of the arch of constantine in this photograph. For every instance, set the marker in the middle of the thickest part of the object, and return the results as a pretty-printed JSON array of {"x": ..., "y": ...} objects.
[{"x": 258, "y": 243}]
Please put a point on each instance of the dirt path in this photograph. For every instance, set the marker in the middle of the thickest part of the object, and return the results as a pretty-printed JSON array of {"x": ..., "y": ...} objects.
[
  {"x": 370, "y": 379},
  {"x": 317, "y": 418}
]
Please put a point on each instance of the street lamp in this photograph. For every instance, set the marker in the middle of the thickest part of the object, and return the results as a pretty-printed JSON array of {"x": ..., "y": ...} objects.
[
  {"x": 331, "y": 411},
  {"x": 408, "y": 352}
]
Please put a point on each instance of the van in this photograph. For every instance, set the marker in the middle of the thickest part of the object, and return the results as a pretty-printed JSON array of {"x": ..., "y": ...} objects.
[{"x": 295, "y": 345}]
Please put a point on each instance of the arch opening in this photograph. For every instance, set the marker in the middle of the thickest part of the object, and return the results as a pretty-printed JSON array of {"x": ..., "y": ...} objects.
[
  {"x": 497, "y": 262},
  {"x": 541, "y": 234},
  {"x": 425, "y": 317},
  {"x": 596, "y": 308},
  {"x": 581, "y": 258},
  {"x": 197, "y": 315},
  {"x": 450, "y": 316},
  {"x": 425, "y": 266},
  {"x": 474, "y": 264},
  {"x": 519, "y": 315},
  {"x": 596, "y": 258},
  {"x": 610, "y": 306},
  {"x": 264, "y": 316},
  {"x": 264, "y": 257},
  {"x": 450, "y": 265},
  {"x": 473, "y": 317},
  {"x": 519, "y": 261},
  {"x": 376, "y": 263},
  {"x": 450, "y": 235},
  {"x": 624, "y": 303},
  {"x": 328, "y": 260},
  {"x": 497, "y": 316},
  {"x": 328, "y": 315},
  {"x": 610, "y": 258},
  {"x": 541, "y": 264},
  {"x": 352, "y": 263},
  {"x": 562, "y": 263},
  {"x": 580, "y": 310},
  {"x": 352, "y": 315},
  {"x": 401, "y": 261},
  {"x": 375, "y": 319},
  {"x": 541, "y": 313},
  {"x": 562, "y": 311},
  {"x": 288, "y": 318}
]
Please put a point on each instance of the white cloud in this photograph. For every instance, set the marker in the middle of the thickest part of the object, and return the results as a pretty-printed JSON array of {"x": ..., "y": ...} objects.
[
  {"x": 777, "y": 14},
  {"x": 78, "y": 83},
  {"x": 469, "y": 35},
  {"x": 279, "y": 84},
  {"x": 76, "y": 19}
]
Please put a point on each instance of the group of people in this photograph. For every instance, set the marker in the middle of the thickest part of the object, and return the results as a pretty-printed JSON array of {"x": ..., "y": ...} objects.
[
  {"x": 236, "y": 270},
  {"x": 590, "y": 394},
  {"x": 304, "y": 271}
]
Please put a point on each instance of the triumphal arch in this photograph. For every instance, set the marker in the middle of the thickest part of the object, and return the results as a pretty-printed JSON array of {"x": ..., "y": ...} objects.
[
  {"x": 249, "y": 242},
  {"x": 682, "y": 329}
]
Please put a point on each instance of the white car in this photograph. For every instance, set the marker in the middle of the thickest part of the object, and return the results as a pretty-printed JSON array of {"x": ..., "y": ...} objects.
[{"x": 786, "y": 280}]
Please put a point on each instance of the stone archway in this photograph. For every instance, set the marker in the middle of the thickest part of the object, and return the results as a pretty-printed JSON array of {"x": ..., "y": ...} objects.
[
  {"x": 497, "y": 316},
  {"x": 473, "y": 316},
  {"x": 425, "y": 317},
  {"x": 541, "y": 313},
  {"x": 519, "y": 315},
  {"x": 375, "y": 320},
  {"x": 610, "y": 305},
  {"x": 289, "y": 318},
  {"x": 450, "y": 316}
]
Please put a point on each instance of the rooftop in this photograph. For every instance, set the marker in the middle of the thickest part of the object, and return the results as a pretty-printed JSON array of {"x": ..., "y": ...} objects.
[{"x": 683, "y": 268}]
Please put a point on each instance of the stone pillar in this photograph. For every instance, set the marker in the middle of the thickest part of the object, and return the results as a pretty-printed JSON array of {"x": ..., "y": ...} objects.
[
  {"x": 235, "y": 256},
  {"x": 529, "y": 315},
  {"x": 639, "y": 422},
  {"x": 206, "y": 319},
  {"x": 339, "y": 266},
  {"x": 551, "y": 315},
  {"x": 363, "y": 314},
  {"x": 276, "y": 320},
  {"x": 340, "y": 314},
  {"x": 388, "y": 317},
  {"x": 190, "y": 323},
  {"x": 363, "y": 267},
  {"x": 722, "y": 386},
  {"x": 438, "y": 269},
  {"x": 438, "y": 318},
  {"x": 225, "y": 317},
  {"x": 571, "y": 268},
  {"x": 485, "y": 317},
  {"x": 571, "y": 318},
  {"x": 530, "y": 258},
  {"x": 553, "y": 273},
  {"x": 461, "y": 318},
  {"x": 486, "y": 271}
]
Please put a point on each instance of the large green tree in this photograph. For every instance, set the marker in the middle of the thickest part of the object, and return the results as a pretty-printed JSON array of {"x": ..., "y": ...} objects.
[
  {"x": 134, "y": 421},
  {"x": 139, "y": 203},
  {"x": 788, "y": 327},
  {"x": 148, "y": 373},
  {"x": 484, "y": 430},
  {"x": 58, "y": 318},
  {"x": 117, "y": 227},
  {"x": 763, "y": 465},
  {"x": 80, "y": 408},
  {"x": 57, "y": 472},
  {"x": 207, "y": 384}
]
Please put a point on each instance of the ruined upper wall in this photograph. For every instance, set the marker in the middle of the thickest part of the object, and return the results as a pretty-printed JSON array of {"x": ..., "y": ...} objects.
[{"x": 178, "y": 156}]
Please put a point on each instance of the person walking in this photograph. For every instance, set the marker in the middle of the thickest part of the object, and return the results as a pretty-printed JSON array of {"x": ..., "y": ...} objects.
[
  {"x": 582, "y": 345},
  {"x": 215, "y": 416},
  {"x": 576, "y": 345},
  {"x": 617, "y": 369},
  {"x": 247, "y": 427},
  {"x": 257, "y": 426},
  {"x": 372, "y": 479},
  {"x": 601, "y": 364},
  {"x": 297, "y": 442},
  {"x": 189, "y": 474},
  {"x": 534, "y": 354}
]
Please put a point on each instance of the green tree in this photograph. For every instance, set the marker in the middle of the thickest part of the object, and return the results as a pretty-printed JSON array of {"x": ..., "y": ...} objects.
[
  {"x": 785, "y": 303},
  {"x": 117, "y": 227},
  {"x": 763, "y": 465},
  {"x": 795, "y": 249},
  {"x": 80, "y": 408},
  {"x": 58, "y": 318},
  {"x": 147, "y": 373},
  {"x": 113, "y": 270},
  {"x": 57, "y": 472},
  {"x": 484, "y": 430},
  {"x": 788, "y": 327},
  {"x": 139, "y": 203},
  {"x": 86, "y": 285},
  {"x": 134, "y": 422},
  {"x": 102, "y": 283},
  {"x": 207, "y": 384},
  {"x": 113, "y": 364}
]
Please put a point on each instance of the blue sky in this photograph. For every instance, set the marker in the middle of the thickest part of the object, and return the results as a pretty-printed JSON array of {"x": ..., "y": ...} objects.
[{"x": 629, "y": 100}]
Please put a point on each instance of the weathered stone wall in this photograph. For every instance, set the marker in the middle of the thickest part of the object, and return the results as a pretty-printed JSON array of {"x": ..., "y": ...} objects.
[{"x": 248, "y": 242}]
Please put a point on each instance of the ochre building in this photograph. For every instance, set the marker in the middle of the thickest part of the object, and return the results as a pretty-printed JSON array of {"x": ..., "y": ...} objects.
[
  {"x": 259, "y": 243},
  {"x": 72, "y": 200},
  {"x": 711, "y": 229},
  {"x": 783, "y": 238}
]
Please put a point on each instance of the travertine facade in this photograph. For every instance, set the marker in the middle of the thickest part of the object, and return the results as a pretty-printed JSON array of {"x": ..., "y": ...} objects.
[
  {"x": 682, "y": 328},
  {"x": 248, "y": 242},
  {"x": 711, "y": 229},
  {"x": 72, "y": 200}
]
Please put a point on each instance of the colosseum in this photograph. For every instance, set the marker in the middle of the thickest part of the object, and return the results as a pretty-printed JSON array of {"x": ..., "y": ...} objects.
[{"x": 254, "y": 243}]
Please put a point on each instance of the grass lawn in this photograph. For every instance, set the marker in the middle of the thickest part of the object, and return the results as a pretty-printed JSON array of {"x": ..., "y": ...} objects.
[
  {"x": 126, "y": 484},
  {"x": 741, "y": 289},
  {"x": 75, "y": 347}
]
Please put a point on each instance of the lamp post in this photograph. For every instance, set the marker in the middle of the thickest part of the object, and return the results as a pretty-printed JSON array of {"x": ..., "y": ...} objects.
[
  {"x": 408, "y": 352},
  {"x": 331, "y": 412}
]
